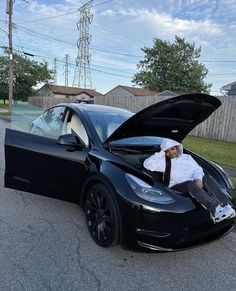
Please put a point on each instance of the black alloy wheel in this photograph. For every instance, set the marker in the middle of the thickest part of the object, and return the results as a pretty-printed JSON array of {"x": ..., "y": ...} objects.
[{"x": 102, "y": 215}]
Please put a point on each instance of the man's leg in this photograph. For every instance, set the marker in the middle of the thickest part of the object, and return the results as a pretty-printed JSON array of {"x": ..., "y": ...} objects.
[
  {"x": 213, "y": 189},
  {"x": 208, "y": 202}
]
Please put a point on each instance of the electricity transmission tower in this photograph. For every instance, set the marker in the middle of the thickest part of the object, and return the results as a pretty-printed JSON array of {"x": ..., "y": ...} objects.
[{"x": 82, "y": 75}]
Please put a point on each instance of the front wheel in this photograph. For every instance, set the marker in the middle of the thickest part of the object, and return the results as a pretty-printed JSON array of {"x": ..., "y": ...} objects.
[{"x": 102, "y": 215}]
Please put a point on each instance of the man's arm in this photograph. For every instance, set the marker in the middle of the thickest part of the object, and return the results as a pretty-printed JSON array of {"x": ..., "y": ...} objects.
[
  {"x": 197, "y": 173},
  {"x": 155, "y": 162}
]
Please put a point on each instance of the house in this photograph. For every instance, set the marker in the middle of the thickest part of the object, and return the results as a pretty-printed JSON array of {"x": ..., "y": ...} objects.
[
  {"x": 126, "y": 91},
  {"x": 57, "y": 91},
  {"x": 230, "y": 88},
  {"x": 168, "y": 93}
]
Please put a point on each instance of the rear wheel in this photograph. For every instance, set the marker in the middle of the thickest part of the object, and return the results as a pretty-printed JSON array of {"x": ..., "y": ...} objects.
[{"x": 102, "y": 215}]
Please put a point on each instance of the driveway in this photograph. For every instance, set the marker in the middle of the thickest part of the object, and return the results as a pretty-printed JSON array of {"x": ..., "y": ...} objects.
[{"x": 44, "y": 245}]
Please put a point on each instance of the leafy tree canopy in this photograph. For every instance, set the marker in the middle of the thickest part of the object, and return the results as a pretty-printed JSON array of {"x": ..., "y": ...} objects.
[
  {"x": 27, "y": 74},
  {"x": 172, "y": 66}
]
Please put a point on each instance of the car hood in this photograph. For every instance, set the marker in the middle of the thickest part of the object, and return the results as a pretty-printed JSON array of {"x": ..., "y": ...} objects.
[{"x": 173, "y": 118}]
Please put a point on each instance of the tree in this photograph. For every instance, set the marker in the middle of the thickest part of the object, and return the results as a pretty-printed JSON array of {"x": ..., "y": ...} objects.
[
  {"x": 172, "y": 66},
  {"x": 27, "y": 74}
]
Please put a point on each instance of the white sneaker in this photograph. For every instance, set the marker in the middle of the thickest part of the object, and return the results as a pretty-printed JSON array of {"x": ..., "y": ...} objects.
[
  {"x": 223, "y": 212},
  {"x": 228, "y": 206}
]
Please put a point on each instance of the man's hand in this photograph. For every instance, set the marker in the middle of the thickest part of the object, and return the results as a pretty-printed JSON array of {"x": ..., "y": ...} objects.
[{"x": 199, "y": 183}]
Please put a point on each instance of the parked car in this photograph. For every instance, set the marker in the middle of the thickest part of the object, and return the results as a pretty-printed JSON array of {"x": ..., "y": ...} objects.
[{"x": 93, "y": 155}]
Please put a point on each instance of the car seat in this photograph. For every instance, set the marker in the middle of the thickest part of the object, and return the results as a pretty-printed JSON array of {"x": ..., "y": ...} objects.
[{"x": 77, "y": 126}]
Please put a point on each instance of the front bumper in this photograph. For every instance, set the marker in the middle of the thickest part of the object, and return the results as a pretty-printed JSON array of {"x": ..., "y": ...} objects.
[
  {"x": 165, "y": 231},
  {"x": 181, "y": 241}
]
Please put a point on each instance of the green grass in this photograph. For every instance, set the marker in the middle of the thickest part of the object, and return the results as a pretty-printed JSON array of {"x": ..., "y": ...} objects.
[
  {"x": 221, "y": 152},
  {"x": 5, "y": 113},
  {"x": 3, "y": 106}
]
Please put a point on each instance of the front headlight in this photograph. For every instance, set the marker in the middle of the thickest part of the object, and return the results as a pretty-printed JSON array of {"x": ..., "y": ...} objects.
[{"x": 147, "y": 192}]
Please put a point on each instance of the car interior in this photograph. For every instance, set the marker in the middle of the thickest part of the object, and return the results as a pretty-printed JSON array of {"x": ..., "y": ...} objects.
[{"x": 72, "y": 122}]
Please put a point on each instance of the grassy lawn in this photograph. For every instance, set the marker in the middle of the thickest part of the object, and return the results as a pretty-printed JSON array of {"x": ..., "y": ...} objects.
[
  {"x": 234, "y": 182},
  {"x": 221, "y": 152},
  {"x": 4, "y": 113},
  {"x": 5, "y": 107}
]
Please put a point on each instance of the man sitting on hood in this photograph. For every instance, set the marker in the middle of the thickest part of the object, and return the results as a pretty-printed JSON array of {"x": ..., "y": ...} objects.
[{"x": 186, "y": 176}]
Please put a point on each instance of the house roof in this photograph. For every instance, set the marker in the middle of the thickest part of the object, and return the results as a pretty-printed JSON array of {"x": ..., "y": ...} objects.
[
  {"x": 169, "y": 93},
  {"x": 57, "y": 89},
  {"x": 137, "y": 91},
  {"x": 228, "y": 87}
]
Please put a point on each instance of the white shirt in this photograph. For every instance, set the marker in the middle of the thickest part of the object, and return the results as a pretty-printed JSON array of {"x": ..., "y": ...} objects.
[{"x": 183, "y": 168}]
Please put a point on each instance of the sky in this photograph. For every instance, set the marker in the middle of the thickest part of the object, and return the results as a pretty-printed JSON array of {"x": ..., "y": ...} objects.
[{"x": 47, "y": 29}]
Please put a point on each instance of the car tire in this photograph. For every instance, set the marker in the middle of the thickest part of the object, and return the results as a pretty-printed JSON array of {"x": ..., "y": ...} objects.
[{"x": 101, "y": 213}]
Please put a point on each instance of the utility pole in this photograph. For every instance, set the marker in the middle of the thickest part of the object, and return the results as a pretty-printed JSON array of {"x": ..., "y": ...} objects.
[
  {"x": 66, "y": 69},
  {"x": 10, "y": 52},
  {"x": 82, "y": 75},
  {"x": 55, "y": 71}
]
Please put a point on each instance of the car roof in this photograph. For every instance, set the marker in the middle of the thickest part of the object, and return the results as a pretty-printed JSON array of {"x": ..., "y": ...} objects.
[{"x": 95, "y": 107}]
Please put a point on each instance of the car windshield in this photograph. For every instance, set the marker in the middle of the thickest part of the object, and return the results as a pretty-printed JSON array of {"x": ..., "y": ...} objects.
[
  {"x": 106, "y": 122},
  {"x": 137, "y": 141}
]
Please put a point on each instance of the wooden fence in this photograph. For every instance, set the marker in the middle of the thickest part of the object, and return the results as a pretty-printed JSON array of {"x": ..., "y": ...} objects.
[
  {"x": 47, "y": 102},
  {"x": 221, "y": 125}
]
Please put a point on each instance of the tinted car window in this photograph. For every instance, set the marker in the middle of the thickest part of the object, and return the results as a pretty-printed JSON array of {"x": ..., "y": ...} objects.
[
  {"x": 105, "y": 123},
  {"x": 50, "y": 123},
  {"x": 138, "y": 140}
]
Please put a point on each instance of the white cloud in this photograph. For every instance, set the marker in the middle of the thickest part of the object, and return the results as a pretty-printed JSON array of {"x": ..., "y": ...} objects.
[
  {"x": 109, "y": 12},
  {"x": 116, "y": 26},
  {"x": 163, "y": 23}
]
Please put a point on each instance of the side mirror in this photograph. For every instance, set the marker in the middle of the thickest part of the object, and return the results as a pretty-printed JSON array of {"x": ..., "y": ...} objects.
[{"x": 69, "y": 140}]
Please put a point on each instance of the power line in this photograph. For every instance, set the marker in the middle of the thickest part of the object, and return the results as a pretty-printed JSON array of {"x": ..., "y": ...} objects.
[
  {"x": 47, "y": 36},
  {"x": 72, "y": 64},
  {"x": 117, "y": 53},
  {"x": 123, "y": 39},
  {"x": 99, "y": 4},
  {"x": 63, "y": 14},
  {"x": 52, "y": 17},
  {"x": 105, "y": 72},
  {"x": 109, "y": 73},
  {"x": 73, "y": 44},
  {"x": 98, "y": 70},
  {"x": 112, "y": 52}
]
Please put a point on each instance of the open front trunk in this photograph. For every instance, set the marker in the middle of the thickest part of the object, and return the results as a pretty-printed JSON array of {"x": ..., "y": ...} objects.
[{"x": 136, "y": 154}]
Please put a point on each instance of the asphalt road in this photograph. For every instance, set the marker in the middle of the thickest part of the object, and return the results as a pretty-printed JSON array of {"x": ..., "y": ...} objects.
[{"x": 44, "y": 245}]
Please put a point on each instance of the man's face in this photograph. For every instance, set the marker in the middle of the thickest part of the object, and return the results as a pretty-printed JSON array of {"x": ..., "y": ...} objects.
[{"x": 172, "y": 152}]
